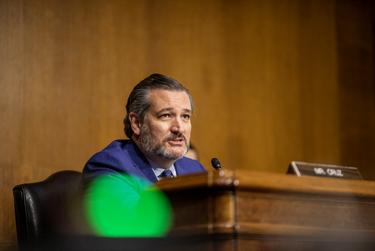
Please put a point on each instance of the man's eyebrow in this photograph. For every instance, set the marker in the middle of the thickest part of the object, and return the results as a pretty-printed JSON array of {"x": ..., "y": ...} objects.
[
  {"x": 170, "y": 109},
  {"x": 187, "y": 110}
]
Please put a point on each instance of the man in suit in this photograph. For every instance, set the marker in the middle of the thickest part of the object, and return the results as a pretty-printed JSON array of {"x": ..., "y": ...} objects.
[{"x": 158, "y": 125}]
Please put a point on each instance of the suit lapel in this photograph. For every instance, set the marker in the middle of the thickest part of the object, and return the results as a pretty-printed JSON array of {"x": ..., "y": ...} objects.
[
  {"x": 141, "y": 163},
  {"x": 180, "y": 169}
]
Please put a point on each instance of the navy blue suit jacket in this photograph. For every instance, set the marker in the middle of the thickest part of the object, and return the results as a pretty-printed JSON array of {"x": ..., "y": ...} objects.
[{"x": 124, "y": 157}]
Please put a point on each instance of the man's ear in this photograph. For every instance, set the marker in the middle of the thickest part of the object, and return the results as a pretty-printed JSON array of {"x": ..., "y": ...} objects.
[{"x": 135, "y": 123}]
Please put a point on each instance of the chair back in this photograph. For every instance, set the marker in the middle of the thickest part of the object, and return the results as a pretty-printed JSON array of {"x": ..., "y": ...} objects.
[{"x": 43, "y": 209}]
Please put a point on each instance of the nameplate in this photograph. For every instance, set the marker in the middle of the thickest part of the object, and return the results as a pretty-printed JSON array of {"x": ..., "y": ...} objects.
[{"x": 323, "y": 170}]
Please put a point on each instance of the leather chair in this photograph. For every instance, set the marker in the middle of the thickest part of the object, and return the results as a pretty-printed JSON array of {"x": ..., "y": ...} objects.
[{"x": 44, "y": 210}]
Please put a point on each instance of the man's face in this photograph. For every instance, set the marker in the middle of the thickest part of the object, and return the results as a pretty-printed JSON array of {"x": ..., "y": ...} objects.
[{"x": 165, "y": 131}]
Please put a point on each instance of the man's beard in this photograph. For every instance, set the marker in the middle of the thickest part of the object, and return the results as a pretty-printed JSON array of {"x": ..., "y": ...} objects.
[{"x": 152, "y": 147}]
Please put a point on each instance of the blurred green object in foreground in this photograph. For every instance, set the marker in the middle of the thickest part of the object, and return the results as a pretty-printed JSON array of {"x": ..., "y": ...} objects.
[{"x": 126, "y": 206}]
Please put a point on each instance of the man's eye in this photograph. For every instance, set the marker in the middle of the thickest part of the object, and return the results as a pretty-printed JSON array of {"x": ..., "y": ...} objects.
[
  {"x": 165, "y": 116},
  {"x": 186, "y": 116}
]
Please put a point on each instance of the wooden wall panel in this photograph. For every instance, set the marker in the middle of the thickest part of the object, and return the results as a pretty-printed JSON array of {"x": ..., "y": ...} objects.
[
  {"x": 356, "y": 55},
  {"x": 11, "y": 113},
  {"x": 273, "y": 81}
]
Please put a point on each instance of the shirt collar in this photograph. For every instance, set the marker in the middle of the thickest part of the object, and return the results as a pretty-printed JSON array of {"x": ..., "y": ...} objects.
[{"x": 158, "y": 170}]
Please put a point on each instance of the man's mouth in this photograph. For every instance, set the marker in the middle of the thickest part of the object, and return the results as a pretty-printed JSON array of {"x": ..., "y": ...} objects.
[{"x": 176, "y": 141}]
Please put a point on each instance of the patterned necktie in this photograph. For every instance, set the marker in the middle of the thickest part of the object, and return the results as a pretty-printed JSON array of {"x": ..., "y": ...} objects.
[{"x": 166, "y": 174}]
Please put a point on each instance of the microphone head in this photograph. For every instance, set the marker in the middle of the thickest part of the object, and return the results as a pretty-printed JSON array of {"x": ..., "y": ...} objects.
[{"x": 215, "y": 163}]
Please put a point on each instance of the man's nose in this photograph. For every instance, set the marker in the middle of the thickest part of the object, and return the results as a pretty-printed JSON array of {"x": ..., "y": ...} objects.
[{"x": 176, "y": 125}]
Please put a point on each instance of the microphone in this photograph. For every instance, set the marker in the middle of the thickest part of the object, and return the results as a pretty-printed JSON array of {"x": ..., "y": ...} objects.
[{"x": 215, "y": 163}]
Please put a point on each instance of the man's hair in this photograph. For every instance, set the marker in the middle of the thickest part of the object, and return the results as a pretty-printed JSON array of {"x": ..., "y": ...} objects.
[{"x": 138, "y": 100}]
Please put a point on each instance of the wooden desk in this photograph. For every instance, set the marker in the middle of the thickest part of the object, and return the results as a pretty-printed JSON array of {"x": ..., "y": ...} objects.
[{"x": 246, "y": 210}]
